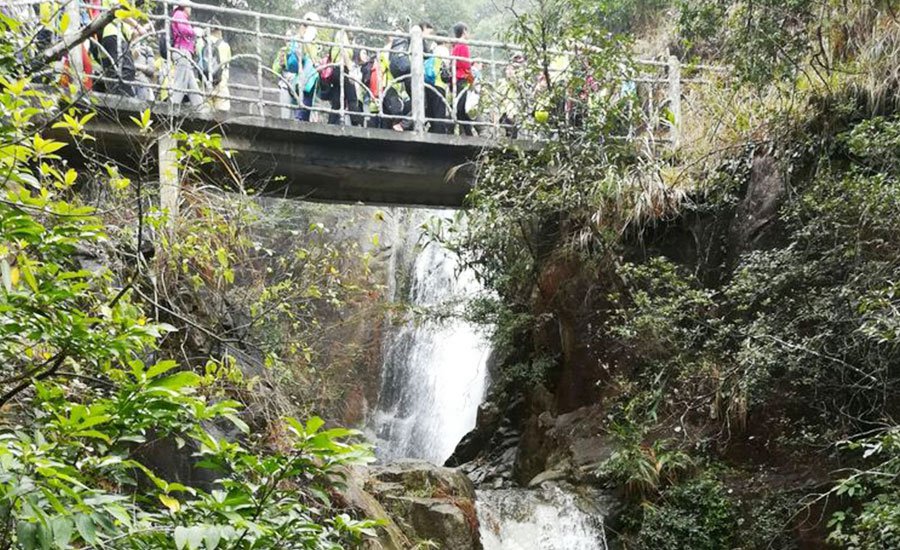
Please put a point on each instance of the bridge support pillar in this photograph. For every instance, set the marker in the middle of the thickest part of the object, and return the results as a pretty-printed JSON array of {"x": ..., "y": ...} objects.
[{"x": 169, "y": 184}]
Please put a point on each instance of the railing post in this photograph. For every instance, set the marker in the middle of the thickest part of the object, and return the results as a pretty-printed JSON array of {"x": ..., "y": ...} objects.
[
  {"x": 73, "y": 10},
  {"x": 417, "y": 75},
  {"x": 169, "y": 78},
  {"x": 675, "y": 98},
  {"x": 169, "y": 185},
  {"x": 259, "y": 61}
]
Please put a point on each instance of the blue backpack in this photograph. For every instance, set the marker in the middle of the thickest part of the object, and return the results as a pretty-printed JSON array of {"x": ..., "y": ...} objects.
[
  {"x": 292, "y": 60},
  {"x": 430, "y": 74}
]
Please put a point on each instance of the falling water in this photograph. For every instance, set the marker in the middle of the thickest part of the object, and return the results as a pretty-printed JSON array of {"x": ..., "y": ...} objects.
[
  {"x": 548, "y": 518},
  {"x": 434, "y": 374},
  {"x": 434, "y": 377}
]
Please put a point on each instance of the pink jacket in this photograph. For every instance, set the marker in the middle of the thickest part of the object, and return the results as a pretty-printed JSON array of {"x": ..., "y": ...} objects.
[{"x": 183, "y": 35}]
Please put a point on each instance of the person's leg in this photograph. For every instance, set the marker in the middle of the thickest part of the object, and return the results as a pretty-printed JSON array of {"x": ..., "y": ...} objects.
[
  {"x": 108, "y": 54},
  {"x": 285, "y": 98},
  {"x": 303, "y": 114},
  {"x": 352, "y": 101},
  {"x": 193, "y": 86},
  {"x": 462, "y": 87},
  {"x": 221, "y": 94},
  {"x": 179, "y": 79},
  {"x": 334, "y": 99},
  {"x": 436, "y": 109},
  {"x": 461, "y": 116},
  {"x": 128, "y": 71},
  {"x": 406, "y": 123}
]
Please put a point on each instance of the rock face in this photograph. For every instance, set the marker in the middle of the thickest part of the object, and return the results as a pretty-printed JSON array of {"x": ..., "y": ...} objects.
[
  {"x": 428, "y": 503},
  {"x": 755, "y": 222},
  {"x": 545, "y": 447}
]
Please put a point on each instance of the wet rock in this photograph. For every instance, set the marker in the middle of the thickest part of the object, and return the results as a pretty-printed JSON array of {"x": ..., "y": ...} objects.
[
  {"x": 486, "y": 427},
  {"x": 428, "y": 502},
  {"x": 390, "y": 536},
  {"x": 547, "y": 475},
  {"x": 574, "y": 443}
]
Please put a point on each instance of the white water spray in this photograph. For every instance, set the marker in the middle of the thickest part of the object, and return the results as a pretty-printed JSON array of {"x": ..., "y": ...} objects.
[
  {"x": 435, "y": 374},
  {"x": 537, "y": 519}
]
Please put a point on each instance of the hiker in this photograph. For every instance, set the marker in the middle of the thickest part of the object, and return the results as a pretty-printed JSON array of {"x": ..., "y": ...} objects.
[
  {"x": 395, "y": 99},
  {"x": 287, "y": 65},
  {"x": 340, "y": 59},
  {"x": 437, "y": 77},
  {"x": 371, "y": 76},
  {"x": 214, "y": 59},
  {"x": 119, "y": 73},
  {"x": 463, "y": 77},
  {"x": 510, "y": 94},
  {"x": 184, "y": 38},
  {"x": 309, "y": 78}
]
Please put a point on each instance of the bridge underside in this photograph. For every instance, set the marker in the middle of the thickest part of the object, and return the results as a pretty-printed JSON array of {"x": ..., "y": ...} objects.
[{"x": 317, "y": 162}]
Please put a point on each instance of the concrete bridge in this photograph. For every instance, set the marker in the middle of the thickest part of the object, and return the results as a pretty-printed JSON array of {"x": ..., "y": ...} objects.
[
  {"x": 322, "y": 162},
  {"x": 311, "y": 161}
]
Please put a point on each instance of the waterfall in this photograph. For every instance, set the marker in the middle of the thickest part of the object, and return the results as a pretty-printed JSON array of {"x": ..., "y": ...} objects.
[
  {"x": 548, "y": 518},
  {"x": 435, "y": 373},
  {"x": 434, "y": 377}
]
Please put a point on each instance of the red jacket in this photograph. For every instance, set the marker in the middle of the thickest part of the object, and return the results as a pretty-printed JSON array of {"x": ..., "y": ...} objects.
[{"x": 463, "y": 67}]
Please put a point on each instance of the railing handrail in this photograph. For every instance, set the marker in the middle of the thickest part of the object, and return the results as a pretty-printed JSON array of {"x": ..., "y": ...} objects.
[{"x": 668, "y": 75}]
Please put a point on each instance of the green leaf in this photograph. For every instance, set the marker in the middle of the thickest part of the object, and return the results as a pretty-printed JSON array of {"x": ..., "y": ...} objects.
[
  {"x": 94, "y": 434},
  {"x": 63, "y": 529},
  {"x": 188, "y": 537},
  {"x": 27, "y": 535},
  {"x": 313, "y": 425},
  {"x": 239, "y": 424},
  {"x": 176, "y": 382},
  {"x": 212, "y": 536},
  {"x": 171, "y": 503},
  {"x": 160, "y": 368},
  {"x": 86, "y": 529}
]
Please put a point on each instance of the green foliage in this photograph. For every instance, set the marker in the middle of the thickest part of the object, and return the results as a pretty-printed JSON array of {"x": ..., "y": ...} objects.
[
  {"x": 696, "y": 514},
  {"x": 765, "y": 40},
  {"x": 82, "y": 400},
  {"x": 644, "y": 470},
  {"x": 630, "y": 16},
  {"x": 873, "y": 520}
]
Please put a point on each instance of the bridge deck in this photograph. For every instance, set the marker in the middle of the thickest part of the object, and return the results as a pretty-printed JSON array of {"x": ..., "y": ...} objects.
[{"x": 313, "y": 161}]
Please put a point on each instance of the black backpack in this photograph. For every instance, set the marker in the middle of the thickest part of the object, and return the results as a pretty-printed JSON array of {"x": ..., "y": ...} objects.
[
  {"x": 366, "y": 72},
  {"x": 164, "y": 44},
  {"x": 399, "y": 57}
]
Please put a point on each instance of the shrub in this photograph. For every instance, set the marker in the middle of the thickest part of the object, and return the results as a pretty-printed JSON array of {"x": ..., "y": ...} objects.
[{"x": 696, "y": 515}]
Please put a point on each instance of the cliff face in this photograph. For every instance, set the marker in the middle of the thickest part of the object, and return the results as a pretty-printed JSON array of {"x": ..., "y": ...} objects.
[{"x": 563, "y": 430}]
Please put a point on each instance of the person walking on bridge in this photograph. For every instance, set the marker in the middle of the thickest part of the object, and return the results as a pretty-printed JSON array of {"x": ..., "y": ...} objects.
[
  {"x": 184, "y": 43},
  {"x": 437, "y": 78},
  {"x": 287, "y": 65},
  {"x": 342, "y": 88},
  {"x": 463, "y": 76},
  {"x": 309, "y": 77},
  {"x": 215, "y": 62},
  {"x": 119, "y": 74}
]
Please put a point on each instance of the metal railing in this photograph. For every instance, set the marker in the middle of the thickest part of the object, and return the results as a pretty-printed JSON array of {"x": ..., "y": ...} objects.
[{"x": 252, "y": 84}]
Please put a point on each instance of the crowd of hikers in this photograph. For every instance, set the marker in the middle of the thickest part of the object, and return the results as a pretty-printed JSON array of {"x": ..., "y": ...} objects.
[
  {"x": 375, "y": 84},
  {"x": 319, "y": 71}
]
